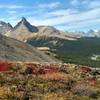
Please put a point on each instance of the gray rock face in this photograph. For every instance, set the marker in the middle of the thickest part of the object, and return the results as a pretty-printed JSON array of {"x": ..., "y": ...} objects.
[
  {"x": 22, "y": 30},
  {"x": 14, "y": 50},
  {"x": 24, "y": 24},
  {"x": 5, "y": 27},
  {"x": 48, "y": 30}
]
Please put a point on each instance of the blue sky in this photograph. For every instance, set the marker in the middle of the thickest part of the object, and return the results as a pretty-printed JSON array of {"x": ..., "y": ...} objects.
[{"x": 67, "y": 15}]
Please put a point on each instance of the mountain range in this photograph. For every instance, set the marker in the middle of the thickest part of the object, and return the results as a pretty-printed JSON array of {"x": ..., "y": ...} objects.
[
  {"x": 25, "y": 29},
  {"x": 70, "y": 47}
]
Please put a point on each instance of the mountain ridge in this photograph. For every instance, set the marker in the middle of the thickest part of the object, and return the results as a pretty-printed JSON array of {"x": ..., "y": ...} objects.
[
  {"x": 30, "y": 29},
  {"x": 24, "y": 30},
  {"x": 5, "y": 27}
]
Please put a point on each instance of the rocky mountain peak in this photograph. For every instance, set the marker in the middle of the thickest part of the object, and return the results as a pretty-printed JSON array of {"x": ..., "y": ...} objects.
[
  {"x": 24, "y": 24},
  {"x": 24, "y": 19},
  {"x": 5, "y": 27},
  {"x": 9, "y": 25}
]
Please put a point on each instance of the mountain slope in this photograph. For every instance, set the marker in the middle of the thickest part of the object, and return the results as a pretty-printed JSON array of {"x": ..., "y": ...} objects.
[
  {"x": 14, "y": 50},
  {"x": 78, "y": 52},
  {"x": 49, "y": 31},
  {"x": 5, "y": 27}
]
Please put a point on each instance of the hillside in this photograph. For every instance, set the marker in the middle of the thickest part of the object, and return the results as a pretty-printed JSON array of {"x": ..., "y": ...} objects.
[
  {"x": 79, "y": 51},
  {"x": 30, "y": 81},
  {"x": 14, "y": 50}
]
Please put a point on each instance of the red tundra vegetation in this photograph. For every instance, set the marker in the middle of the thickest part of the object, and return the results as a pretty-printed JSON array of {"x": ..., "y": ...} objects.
[
  {"x": 29, "y": 80},
  {"x": 85, "y": 69},
  {"x": 4, "y": 66},
  {"x": 34, "y": 68},
  {"x": 92, "y": 80},
  {"x": 47, "y": 69},
  {"x": 43, "y": 70}
]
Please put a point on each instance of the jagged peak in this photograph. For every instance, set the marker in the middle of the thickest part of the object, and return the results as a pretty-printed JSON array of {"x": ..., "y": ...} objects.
[
  {"x": 10, "y": 25},
  {"x": 25, "y": 23},
  {"x": 5, "y": 24},
  {"x": 2, "y": 22},
  {"x": 24, "y": 19}
]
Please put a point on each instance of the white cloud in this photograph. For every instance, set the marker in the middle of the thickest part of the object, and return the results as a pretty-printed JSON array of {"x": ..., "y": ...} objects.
[
  {"x": 75, "y": 2},
  {"x": 83, "y": 24},
  {"x": 94, "y": 4},
  {"x": 49, "y": 5},
  {"x": 85, "y": 2},
  {"x": 12, "y": 11},
  {"x": 1, "y": 19},
  {"x": 88, "y": 4},
  {"x": 36, "y": 6},
  {"x": 70, "y": 20},
  {"x": 62, "y": 12},
  {"x": 12, "y": 6}
]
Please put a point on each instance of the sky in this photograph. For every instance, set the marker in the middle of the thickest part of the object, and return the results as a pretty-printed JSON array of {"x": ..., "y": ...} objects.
[{"x": 66, "y": 15}]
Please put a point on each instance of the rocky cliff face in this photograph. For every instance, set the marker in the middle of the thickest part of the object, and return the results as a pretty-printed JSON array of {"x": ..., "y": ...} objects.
[{"x": 5, "y": 27}]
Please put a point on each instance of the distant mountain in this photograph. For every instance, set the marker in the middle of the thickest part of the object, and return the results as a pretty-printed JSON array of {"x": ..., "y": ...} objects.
[
  {"x": 90, "y": 33},
  {"x": 14, "y": 50},
  {"x": 97, "y": 33},
  {"x": 49, "y": 31},
  {"x": 5, "y": 27},
  {"x": 24, "y": 30}
]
